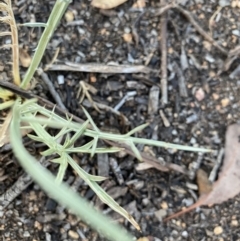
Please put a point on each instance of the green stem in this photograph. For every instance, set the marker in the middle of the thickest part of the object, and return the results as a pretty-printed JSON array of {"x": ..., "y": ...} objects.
[{"x": 54, "y": 19}]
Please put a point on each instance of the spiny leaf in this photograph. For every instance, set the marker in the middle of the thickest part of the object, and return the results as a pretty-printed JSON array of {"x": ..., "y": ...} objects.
[
  {"x": 36, "y": 138},
  {"x": 48, "y": 152},
  {"x": 61, "y": 193},
  {"x": 90, "y": 119},
  {"x": 135, "y": 150},
  {"x": 79, "y": 133},
  {"x": 138, "y": 128},
  {"x": 94, "y": 146},
  {"x": 102, "y": 194},
  {"x": 97, "y": 150},
  {"x": 62, "y": 169}
]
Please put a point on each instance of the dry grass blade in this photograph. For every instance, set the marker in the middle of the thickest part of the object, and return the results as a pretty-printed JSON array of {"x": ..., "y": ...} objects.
[
  {"x": 9, "y": 19},
  {"x": 4, "y": 135},
  {"x": 5, "y": 34},
  {"x": 24, "y": 57},
  {"x": 4, "y": 131}
]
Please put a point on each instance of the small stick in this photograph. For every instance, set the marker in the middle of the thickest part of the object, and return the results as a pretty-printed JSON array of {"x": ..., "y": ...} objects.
[
  {"x": 51, "y": 88},
  {"x": 199, "y": 29},
  {"x": 218, "y": 163},
  {"x": 181, "y": 80},
  {"x": 134, "y": 28},
  {"x": 18, "y": 187},
  {"x": 163, "y": 34},
  {"x": 162, "y": 10},
  {"x": 102, "y": 68},
  {"x": 150, "y": 159}
]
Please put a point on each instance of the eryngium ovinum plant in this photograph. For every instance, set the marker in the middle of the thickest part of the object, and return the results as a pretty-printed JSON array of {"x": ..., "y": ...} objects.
[{"x": 28, "y": 114}]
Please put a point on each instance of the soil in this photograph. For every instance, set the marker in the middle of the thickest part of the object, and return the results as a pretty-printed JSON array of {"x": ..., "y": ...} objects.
[{"x": 203, "y": 99}]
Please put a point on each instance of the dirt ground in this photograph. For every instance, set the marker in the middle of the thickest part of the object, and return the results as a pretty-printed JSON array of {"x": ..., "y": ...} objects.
[{"x": 203, "y": 89}]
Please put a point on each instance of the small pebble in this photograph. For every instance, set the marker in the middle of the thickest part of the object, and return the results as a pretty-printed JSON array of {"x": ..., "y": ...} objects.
[
  {"x": 218, "y": 230},
  {"x": 108, "y": 45},
  {"x": 236, "y": 32},
  {"x": 193, "y": 140},
  {"x": 160, "y": 214},
  {"x": 107, "y": 25},
  {"x": 60, "y": 79},
  {"x": 174, "y": 132},
  {"x": 26, "y": 234},
  {"x": 164, "y": 205},
  {"x": 145, "y": 201},
  {"x": 130, "y": 58},
  {"x": 209, "y": 58},
  {"x": 185, "y": 234},
  {"x": 224, "y": 3},
  {"x": 200, "y": 94},
  {"x": 48, "y": 237},
  {"x": 127, "y": 30},
  {"x": 225, "y": 102},
  {"x": 72, "y": 234},
  {"x": 191, "y": 118},
  {"x": 215, "y": 96},
  {"x": 93, "y": 53},
  {"x": 127, "y": 37},
  {"x": 143, "y": 239},
  {"x": 234, "y": 223},
  {"x": 69, "y": 16}
]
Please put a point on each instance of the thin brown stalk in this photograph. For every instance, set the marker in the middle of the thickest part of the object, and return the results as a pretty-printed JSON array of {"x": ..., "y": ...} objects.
[
  {"x": 15, "y": 47},
  {"x": 163, "y": 35},
  {"x": 9, "y": 19},
  {"x": 200, "y": 29}
]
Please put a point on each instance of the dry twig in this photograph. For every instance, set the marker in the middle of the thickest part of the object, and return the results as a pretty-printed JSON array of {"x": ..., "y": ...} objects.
[
  {"x": 163, "y": 34},
  {"x": 51, "y": 88},
  {"x": 102, "y": 68},
  {"x": 18, "y": 187},
  {"x": 199, "y": 29}
]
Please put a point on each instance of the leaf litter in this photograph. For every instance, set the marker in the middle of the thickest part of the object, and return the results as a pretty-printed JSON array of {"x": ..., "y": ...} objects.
[
  {"x": 107, "y": 4},
  {"x": 228, "y": 184}
]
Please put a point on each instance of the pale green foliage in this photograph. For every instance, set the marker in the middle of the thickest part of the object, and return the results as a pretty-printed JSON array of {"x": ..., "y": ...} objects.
[
  {"x": 61, "y": 192},
  {"x": 39, "y": 119},
  {"x": 29, "y": 114},
  {"x": 63, "y": 144}
]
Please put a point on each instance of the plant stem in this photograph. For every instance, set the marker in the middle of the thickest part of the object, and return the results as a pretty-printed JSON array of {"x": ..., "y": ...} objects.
[{"x": 54, "y": 18}]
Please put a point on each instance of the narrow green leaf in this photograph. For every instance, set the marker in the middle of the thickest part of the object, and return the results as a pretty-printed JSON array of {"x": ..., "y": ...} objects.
[
  {"x": 97, "y": 150},
  {"x": 102, "y": 194},
  {"x": 90, "y": 119},
  {"x": 33, "y": 25},
  {"x": 78, "y": 133},
  {"x": 94, "y": 146},
  {"x": 35, "y": 138},
  {"x": 6, "y": 104},
  {"x": 136, "y": 129},
  {"x": 135, "y": 150},
  {"x": 48, "y": 152},
  {"x": 62, "y": 169}
]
